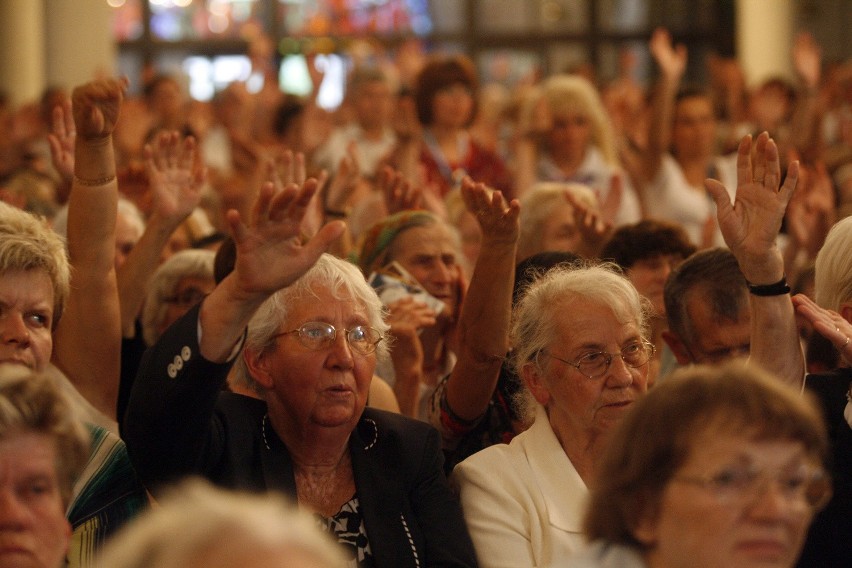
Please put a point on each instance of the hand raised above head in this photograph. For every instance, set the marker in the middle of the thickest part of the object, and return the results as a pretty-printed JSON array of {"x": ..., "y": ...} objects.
[
  {"x": 62, "y": 137},
  {"x": 750, "y": 225},
  {"x": 270, "y": 251},
  {"x": 174, "y": 175},
  {"x": 96, "y": 106},
  {"x": 498, "y": 220}
]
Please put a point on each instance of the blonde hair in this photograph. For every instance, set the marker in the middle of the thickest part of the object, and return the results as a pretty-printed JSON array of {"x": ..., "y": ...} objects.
[
  {"x": 196, "y": 519},
  {"x": 833, "y": 267},
  {"x": 28, "y": 243},
  {"x": 565, "y": 94}
]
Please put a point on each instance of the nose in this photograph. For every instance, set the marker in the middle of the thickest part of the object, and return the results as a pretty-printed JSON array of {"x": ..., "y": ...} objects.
[
  {"x": 13, "y": 329},
  {"x": 443, "y": 273},
  {"x": 340, "y": 355},
  {"x": 619, "y": 375}
]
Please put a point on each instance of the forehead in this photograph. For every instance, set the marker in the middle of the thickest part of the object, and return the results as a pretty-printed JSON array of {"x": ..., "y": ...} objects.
[
  {"x": 693, "y": 107},
  {"x": 325, "y": 305},
  {"x": 31, "y": 286},
  {"x": 724, "y": 443},
  {"x": 430, "y": 240},
  {"x": 27, "y": 453},
  {"x": 587, "y": 322}
]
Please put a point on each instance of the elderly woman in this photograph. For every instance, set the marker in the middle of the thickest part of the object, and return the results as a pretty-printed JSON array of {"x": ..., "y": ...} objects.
[
  {"x": 199, "y": 525},
  {"x": 315, "y": 333},
  {"x": 43, "y": 448},
  {"x": 579, "y": 339},
  {"x": 178, "y": 284},
  {"x": 560, "y": 217},
  {"x": 715, "y": 467},
  {"x": 831, "y": 315},
  {"x": 428, "y": 250},
  {"x": 567, "y": 137}
]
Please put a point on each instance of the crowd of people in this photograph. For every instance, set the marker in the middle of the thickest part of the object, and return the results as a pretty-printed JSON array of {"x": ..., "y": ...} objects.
[{"x": 597, "y": 325}]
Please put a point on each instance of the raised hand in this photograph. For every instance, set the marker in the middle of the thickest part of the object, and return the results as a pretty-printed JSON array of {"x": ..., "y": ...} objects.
[
  {"x": 342, "y": 186},
  {"x": 62, "y": 138},
  {"x": 670, "y": 58},
  {"x": 399, "y": 194},
  {"x": 751, "y": 224},
  {"x": 174, "y": 175},
  {"x": 95, "y": 108},
  {"x": 827, "y": 323},
  {"x": 591, "y": 223},
  {"x": 807, "y": 59},
  {"x": 498, "y": 220},
  {"x": 270, "y": 252}
]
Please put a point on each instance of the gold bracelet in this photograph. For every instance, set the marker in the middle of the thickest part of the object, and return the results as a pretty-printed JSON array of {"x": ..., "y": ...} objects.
[{"x": 94, "y": 182}]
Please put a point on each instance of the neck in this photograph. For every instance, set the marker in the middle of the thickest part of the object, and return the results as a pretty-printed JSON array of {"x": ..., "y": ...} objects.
[
  {"x": 445, "y": 134},
  {"x": 695, "y": 169},
  {"x": 584, "y": 451},
  {"x": 312, "y": 447},
  {"x": 373, "y": 132}
]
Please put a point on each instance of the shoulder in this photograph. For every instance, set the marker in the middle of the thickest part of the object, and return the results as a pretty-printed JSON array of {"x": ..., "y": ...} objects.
[
  {"x": 606, "y": 555},
  {"x": 385, "y": 426}
]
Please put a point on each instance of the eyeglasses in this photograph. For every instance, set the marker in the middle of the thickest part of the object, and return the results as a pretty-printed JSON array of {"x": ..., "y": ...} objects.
[
  {"x": 594, "y": 365},
  {"x": 316, "y": 335},
  {"x": 742, "y": 486},
  {"x": 188, "y": 297}
]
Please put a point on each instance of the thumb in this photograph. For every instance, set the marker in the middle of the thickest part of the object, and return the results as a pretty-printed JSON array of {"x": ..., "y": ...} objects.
[
  {"x": 325, "y": 237},
  {"x": 719, "y": 194}
]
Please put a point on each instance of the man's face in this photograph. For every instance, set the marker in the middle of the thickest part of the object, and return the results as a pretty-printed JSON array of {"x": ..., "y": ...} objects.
[
  {"x": 716, "y": 339},
  {"x": 33, "y": 530}
]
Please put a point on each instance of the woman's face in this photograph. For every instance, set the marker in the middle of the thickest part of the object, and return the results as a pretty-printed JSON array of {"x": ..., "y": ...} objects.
[
  {"x": 452, "y": 106},
  {"x": 430, "y": 255},
  {"x": 26, "y": 318},
  {"x": 569, "y": 136},
  {"x": 326, "y": 387},
  {"x": 581, "y": 408},
  {"x": 559, "y": 231},
  {"x": 711, "y": 526},
  {"x": 187, "y": 293},
  {"x": 694, "y": 128}
]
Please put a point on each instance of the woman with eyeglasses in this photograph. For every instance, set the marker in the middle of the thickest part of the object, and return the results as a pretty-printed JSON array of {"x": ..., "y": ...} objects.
[
  {"x": 715, "y": 467},
  {"x": 312, "y": 331},
  {"x": 579, "y": 344}
]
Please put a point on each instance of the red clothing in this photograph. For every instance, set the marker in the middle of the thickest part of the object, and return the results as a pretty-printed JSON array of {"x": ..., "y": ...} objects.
[{"x": 480, "y": 164}]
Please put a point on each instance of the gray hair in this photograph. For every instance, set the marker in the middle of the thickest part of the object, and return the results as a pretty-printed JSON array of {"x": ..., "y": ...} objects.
[
  {"x": 346, "y": 283},
  {"x": 833, "y": 280},
  {"x": 196, "y": 520},
  {"x": 190, "y": 263},
  {"x": 537, "y": 205},
  {"x": 559, "y": 291}
]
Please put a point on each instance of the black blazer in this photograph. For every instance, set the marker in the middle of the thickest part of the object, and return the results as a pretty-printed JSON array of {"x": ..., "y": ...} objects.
[{"x": 180, "y": 423}]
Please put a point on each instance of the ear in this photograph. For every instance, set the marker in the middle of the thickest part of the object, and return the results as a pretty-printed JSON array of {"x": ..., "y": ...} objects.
[
  {"x": 535, "y": 383},
  {"x": 258, "y": 367},
  {"x": 645, "y": 530},
  {"x": 846, "y": 311},
  {"x": 678, "y": 347}
]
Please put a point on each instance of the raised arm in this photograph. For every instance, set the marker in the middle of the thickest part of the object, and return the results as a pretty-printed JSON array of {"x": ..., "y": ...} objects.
[
  {"x": 671, "y": 61},
  {"x": 175, "y": 178},
  {"x": 750, "y": 226},
  {"x": 270, "y": 256},
  {"x": 483, "y": 326},
  {"x": 88, "y": 337}
]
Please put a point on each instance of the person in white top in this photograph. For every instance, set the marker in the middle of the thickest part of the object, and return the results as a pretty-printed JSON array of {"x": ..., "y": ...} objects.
[
  {"x": 579, "y": 338},
  {"x": 681, "y": 151}
]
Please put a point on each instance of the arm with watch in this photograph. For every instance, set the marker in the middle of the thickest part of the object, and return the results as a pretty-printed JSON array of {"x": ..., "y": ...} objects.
[{"x": 750, "y": 226}]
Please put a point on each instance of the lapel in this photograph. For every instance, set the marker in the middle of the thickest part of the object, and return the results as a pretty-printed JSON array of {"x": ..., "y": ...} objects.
[
  {"x": 381, "y": 494},
  {"x": 564, "y": 491},
  {"x": 275, "y": 462}
]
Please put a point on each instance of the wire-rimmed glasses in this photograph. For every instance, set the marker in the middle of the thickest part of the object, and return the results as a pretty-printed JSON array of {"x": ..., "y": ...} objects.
[
  {"x": 594, "y": 365},
  {"x": 317, "y": 335}
]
